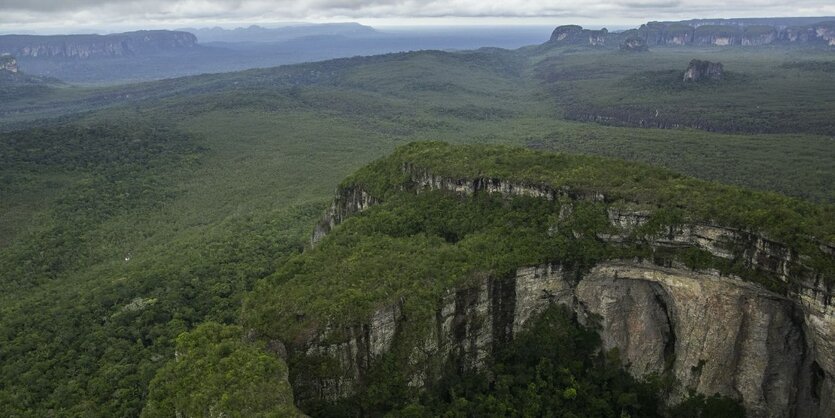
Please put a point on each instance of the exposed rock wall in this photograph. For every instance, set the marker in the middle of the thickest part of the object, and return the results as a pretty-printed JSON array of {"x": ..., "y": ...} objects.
[
  {"x": 703, "y": 70},
  {"x": 95, "y": 46},
  {"x": 353, "y": 354},
  {"x": 713, "y": 333},
  {"x": 347, "y": 202},
  {"x": 717, "y": 334},
  {"x": 699, "y": 34},
  {"x": 634, "y": 44},
  {"x": 576, "y": 35}
]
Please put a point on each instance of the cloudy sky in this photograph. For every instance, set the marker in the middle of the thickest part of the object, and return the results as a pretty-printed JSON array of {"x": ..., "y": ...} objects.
[{"x": 80, "y": 15}]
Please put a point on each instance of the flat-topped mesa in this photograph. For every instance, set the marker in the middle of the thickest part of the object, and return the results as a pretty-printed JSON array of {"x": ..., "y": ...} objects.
[
  {"x": 695, "y": 324},
  {"x": 576, "y": 35},
  {"x": 352, "y": 200},
  {"x": 756, "y": 250},
  {"x": 704, "y": 71},
  {"x": 96, "y": 46},
  {"x": 761, "y": 329}
]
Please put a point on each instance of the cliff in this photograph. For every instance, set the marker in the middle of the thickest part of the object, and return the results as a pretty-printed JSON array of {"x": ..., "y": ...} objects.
[
  {"x": 702, "y": 33},
  {"x": 576, "y": 35},
  {"x": 755, "y": 322},
  {"x": 634, "y": 44},
  {"x": 96, "y": 46},
  {"x": 703, "y": 70}
]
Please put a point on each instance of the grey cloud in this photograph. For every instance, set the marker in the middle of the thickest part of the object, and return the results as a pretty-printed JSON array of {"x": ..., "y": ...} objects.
[
  {"x": 138, "y": 12},
  {"x": 652, "y": 4}
]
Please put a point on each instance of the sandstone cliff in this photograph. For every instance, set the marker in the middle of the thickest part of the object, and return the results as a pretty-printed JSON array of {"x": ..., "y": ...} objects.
[
  {"x": 576, "y": 35},
  {"x": 703, "y": 70},
  {"x": 634, "y": 44},
  {"x": 95, "y": 46},
  {"x": 774, "y": 350},
  {"x": 700, "y": 33}
]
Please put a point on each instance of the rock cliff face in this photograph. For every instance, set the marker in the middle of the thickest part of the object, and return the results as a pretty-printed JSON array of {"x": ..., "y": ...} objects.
[
  {"x": 634, "y": 45},
  {"x": 700, "y": 33},
  {"x": 826, "y": 32},
  {"x": 713, "y": 333},
  {"x": 95, "y": 46},
  {"x": 8, "y": 63},
  {"x": 347, "y": 202},
  {"x": 703, "y": 70}
]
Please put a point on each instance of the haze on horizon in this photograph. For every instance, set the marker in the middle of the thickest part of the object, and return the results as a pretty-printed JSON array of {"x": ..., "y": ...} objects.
[{"x": 74, "y": 16}]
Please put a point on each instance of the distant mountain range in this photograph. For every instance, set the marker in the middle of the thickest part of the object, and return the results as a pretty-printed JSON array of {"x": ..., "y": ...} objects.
[
  {"x": 257, "y": 33},
  {"x": 150, "y": 55},
  {"x": 95, "y": 46}
]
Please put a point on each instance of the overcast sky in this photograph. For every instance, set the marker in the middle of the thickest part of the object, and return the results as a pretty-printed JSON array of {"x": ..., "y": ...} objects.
[{"x": 103, "y": 15}]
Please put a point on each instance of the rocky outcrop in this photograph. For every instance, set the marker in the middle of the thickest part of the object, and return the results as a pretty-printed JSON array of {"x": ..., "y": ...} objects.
[
  {"x": 712, "y": 332},
  {"x": 348, "y": 201},
  {"x": 634, "y": 45},
  {"x": 96, "y": 46},
  {"x": 703, "y": 71},
  {"x": 8, "y": 64}
]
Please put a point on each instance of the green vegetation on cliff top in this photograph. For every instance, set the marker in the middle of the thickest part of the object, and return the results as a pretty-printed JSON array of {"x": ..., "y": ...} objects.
[
  {"x": 414, "y": 247},
  {"x": 784, "y": 219}
]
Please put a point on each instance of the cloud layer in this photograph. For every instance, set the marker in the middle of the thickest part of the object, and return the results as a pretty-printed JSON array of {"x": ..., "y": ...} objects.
[{"x": 155, "y": 13}]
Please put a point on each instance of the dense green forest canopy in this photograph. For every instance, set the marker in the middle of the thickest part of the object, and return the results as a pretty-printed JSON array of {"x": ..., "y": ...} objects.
[
  {"x": 218, "y": 373},
  {"x": 131, "y": 214},
  {"x": 779, "y": 217}
]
